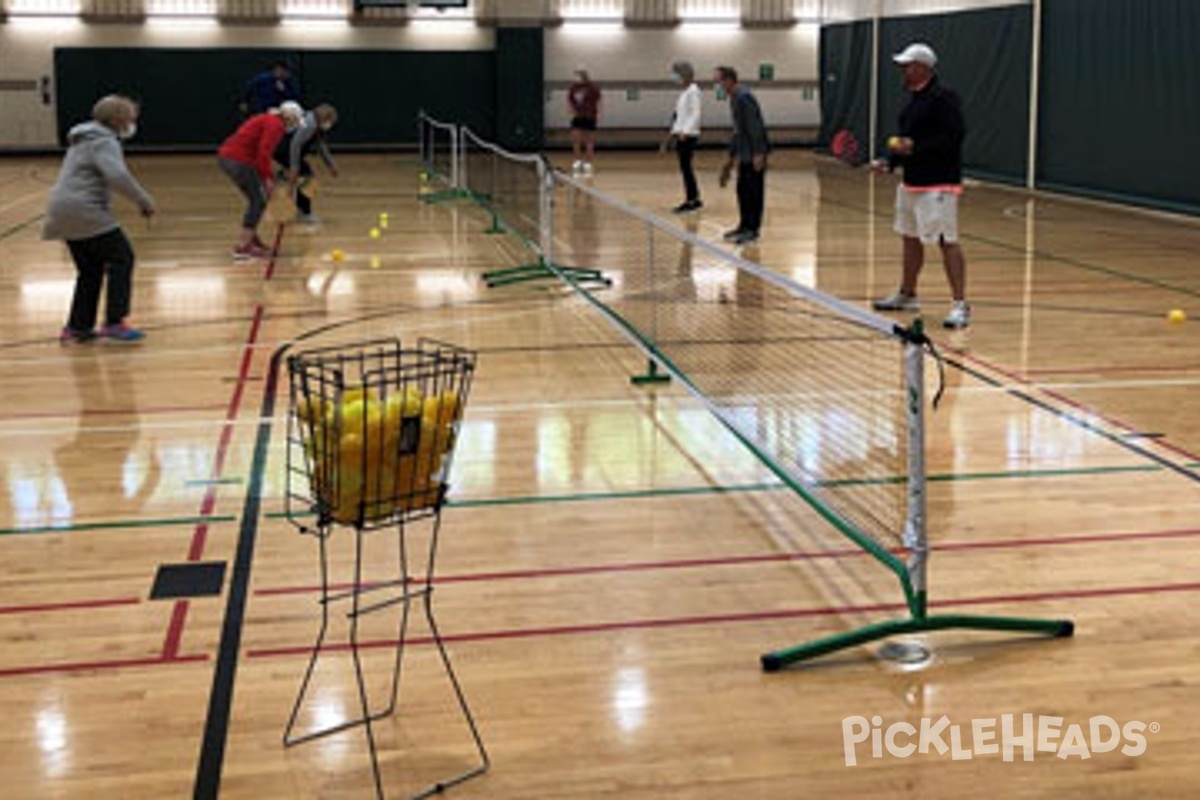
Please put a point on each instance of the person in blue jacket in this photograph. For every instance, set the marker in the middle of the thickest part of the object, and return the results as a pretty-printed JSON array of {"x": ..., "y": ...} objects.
[{"x": 270, "y": 89}]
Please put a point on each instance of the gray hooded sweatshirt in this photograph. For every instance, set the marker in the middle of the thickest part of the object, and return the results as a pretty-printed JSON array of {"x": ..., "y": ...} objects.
[{"x": 80, "y": 199}]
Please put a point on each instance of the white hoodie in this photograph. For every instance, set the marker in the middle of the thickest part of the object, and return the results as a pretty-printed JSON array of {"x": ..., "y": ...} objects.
[{"x": 81, "y": 198}]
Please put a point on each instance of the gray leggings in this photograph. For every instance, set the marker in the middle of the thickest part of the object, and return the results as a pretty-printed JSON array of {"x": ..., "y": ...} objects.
[{"x": 246, "y": 179}]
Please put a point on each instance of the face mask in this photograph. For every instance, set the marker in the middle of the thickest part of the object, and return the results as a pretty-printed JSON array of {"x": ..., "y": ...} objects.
[
  {"x": 130, "y": 131},
  {"x": 676, "y": 78}
]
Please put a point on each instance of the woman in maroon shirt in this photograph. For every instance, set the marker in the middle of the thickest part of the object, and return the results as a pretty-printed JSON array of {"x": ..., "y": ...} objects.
[{"x": 583, "y": 101}]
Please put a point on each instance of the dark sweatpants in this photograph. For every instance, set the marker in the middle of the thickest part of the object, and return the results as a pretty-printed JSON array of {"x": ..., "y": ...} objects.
[
  {"x": 751, "y": 187},
  {"x": 107, "y": 255}
]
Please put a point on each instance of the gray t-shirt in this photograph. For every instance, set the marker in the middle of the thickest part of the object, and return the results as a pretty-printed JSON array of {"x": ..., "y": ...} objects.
[{"x": 80, "y": 202}]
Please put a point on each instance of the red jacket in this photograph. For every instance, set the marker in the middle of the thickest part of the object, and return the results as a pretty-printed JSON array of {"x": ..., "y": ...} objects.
[{"x": 254, "y": 142}]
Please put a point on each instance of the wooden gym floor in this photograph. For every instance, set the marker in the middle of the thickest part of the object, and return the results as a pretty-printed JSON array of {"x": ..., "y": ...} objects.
[{"x": 613, "y": 562}]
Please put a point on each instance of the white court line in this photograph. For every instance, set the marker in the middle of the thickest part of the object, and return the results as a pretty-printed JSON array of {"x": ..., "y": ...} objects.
[{"x": 70, "y": 426}]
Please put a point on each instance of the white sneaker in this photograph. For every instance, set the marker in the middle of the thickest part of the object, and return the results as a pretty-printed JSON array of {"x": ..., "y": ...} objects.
[
  {"x": 307, "y": 219},
  {"x": 587, "y": 168},
  {"x": 959, "y": 316},
  {"x": 577, "y": 167},
  {"x": 897, "y": 301}
]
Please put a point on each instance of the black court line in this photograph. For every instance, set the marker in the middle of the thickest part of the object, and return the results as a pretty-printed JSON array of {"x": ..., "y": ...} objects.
[
  {"x": 1118, "y": 439},
  {"x": 220, "y": 699}
]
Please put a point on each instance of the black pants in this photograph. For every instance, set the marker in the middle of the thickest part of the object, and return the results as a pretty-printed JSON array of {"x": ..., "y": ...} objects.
[
  {"x": 686, "y": 148},
  {"x": 751, "y": 186},
  {"x": 107, "y": 255},
  {"x": 303, "y": 201}
]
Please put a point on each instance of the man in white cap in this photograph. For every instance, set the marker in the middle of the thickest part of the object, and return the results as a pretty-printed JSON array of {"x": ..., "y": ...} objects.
[{"x": 929, "y": 150}]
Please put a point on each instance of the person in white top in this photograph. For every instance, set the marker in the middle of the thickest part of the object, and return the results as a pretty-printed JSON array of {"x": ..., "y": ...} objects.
[{"x": 685, "y": 133}]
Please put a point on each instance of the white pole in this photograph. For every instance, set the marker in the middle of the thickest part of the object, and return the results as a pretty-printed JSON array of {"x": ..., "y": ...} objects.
[
  {"x": 1035, "y": 71},
  {"x": 874, "y": 115}
]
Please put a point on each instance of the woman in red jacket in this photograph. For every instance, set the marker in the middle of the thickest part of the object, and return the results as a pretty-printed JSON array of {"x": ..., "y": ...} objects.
[{"x": 246, "y": 158}]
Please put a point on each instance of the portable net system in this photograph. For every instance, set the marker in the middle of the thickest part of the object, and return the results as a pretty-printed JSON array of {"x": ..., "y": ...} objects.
[{"x": 830, "y": 397}]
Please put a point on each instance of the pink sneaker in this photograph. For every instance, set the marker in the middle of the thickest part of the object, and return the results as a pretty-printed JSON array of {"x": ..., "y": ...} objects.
[
  {"x": 248, "y": 251},
  {"x": 71, "y": 335}
]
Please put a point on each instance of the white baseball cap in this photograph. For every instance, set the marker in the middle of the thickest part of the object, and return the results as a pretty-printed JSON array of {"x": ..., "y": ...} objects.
[{"x": 916, "y": 53}]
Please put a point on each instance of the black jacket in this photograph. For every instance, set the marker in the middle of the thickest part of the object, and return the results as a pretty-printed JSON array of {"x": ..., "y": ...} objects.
[
  {"x": 933, "y": 120},
  {"x": 749, "y": 131}
]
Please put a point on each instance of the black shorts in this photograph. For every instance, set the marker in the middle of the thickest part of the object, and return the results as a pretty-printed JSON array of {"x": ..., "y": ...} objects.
[{"x": 583, "y": 123}]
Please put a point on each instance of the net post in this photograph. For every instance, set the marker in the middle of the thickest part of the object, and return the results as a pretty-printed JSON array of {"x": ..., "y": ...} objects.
[
  {"x": 651, "y": 375},
  {"x": 454, "y": 158},
  {"x": 545, "y": 212},
  {"x": 421, "y": 147},
  {"x": 915, "y": 534}
]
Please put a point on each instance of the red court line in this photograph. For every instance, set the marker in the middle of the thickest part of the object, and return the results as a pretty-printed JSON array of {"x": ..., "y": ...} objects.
[
  {"x": 231, "y": 413},
  {"x": 100, "y": 666},
  {"x": 174, "y": 635},
  {"x": 269, "y": 269},
  {"x": 79, "y": 412},
  {"x": 69, "y": 605},
  {"x": 763, "y": 558},
  {"x": 754, "y": 616}
]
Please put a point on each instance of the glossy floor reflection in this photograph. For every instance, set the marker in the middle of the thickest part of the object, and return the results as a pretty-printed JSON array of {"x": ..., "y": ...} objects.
[{"x": 614, "y": 561}]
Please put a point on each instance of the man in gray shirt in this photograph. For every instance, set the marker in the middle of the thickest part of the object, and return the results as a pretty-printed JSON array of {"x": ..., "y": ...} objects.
[{"x": 748, "y": 151}]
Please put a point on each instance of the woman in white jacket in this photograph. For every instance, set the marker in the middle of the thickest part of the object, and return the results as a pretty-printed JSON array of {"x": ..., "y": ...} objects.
[
  {"x": 79, "y": 213},
  {"x": 685, "y": 131}
]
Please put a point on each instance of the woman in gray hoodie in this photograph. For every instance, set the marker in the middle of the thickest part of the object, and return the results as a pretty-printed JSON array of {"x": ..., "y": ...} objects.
[{"x": 79, "y": 213}]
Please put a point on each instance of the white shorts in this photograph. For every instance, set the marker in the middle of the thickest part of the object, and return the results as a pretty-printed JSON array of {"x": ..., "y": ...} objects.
[{"x": 928, "y": 216}]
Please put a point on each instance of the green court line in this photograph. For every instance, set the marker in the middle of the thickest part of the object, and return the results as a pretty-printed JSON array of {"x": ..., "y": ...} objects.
[
  {"x": 211, "y": 482},
  {"x": 633, "y": 494},
  {"x": 625, "y": 495},
  {"x": 19, "y": 227},
  {"x": 488, "y": 502},
  {"x": 128, "y": 523}
]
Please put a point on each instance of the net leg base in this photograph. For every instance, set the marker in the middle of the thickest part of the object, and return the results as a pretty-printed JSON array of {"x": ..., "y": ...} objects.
[
  {"x": 431, "y": 196},
  {"x": 652, "y": 376},
  {"x": 541, "y": 271},
  {"x": 778, "y": 659}
]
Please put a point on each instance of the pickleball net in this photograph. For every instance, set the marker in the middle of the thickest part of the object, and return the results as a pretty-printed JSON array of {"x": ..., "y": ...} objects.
[{"x": 830, "y": 397}]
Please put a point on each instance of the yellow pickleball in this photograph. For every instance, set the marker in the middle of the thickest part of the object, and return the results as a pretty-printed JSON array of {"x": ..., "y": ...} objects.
[
  {"x": 1176, "y": 315},
  {"x": 337, "y": 255},
  {"x": 374, "y": 233}
]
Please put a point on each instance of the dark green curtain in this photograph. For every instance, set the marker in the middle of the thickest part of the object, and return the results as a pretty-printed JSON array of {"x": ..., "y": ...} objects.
[
  {"x": 378, "y": 93},
  {"x": 845, "y": 56},
  {"x": 984, "y": 56},
  {"x": 520, "y": 105},
  {"x": 189, "y": 97},
  {"x": 1120, "y": 100}
]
